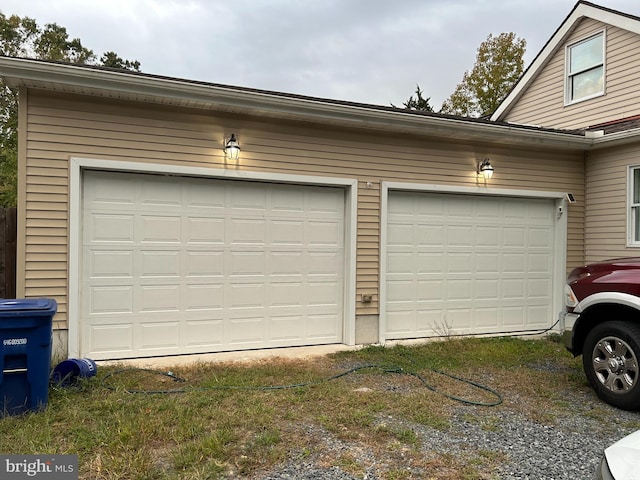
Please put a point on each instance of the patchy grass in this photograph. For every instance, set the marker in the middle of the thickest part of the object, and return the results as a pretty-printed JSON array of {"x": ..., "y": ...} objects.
[{"x": 234, "y": 421}]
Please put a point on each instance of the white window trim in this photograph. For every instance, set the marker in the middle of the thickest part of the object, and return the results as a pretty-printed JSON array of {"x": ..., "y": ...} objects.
[
  {"x": 567, "y": 84},
  {"x": 631, "y": 242}
]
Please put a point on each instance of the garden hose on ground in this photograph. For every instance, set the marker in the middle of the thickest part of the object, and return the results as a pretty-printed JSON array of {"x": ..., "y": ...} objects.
[{"x": 382, "y": 367}]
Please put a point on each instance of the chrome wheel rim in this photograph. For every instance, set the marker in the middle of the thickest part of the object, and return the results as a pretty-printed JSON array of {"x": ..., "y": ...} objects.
[{"x": 615, "y": 365}]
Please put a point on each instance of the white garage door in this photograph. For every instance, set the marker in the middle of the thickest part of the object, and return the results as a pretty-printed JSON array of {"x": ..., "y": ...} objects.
[
  {"x": 467, "y": 264},
  {"x": 175, "y": 265}
]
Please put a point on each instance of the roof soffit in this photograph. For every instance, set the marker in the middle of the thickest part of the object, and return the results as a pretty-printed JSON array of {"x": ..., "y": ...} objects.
[{"x": 177, "y": 92}]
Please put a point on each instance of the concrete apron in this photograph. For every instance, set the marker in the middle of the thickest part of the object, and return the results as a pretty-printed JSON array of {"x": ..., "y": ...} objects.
[{"x": 245, "y": 356}]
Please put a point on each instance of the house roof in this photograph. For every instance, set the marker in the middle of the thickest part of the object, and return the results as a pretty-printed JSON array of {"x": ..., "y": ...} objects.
[
  {"x": 135, "y": 86},
  {"x": 581, "y": 10}
]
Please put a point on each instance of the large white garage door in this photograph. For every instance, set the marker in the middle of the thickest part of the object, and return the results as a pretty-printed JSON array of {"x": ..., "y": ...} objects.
[
  {"x": 468, "y": 264},
  {"x": 176, "y": 265}
]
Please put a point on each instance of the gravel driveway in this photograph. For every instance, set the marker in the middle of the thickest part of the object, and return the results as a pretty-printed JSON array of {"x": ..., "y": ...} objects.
[{"x": 568, "y": 448}]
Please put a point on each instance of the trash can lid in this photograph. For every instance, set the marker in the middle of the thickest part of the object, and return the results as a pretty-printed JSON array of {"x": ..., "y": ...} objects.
[{"x": 14, "y": 304}]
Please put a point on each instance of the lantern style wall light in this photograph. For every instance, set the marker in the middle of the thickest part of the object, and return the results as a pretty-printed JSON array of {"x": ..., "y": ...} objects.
[
  {"x": 232, "y": 148},
  {"x": 485, "y": 169}
]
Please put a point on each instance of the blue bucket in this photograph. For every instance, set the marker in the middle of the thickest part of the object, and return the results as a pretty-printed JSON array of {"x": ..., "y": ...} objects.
[{"x": 69, "y": 371}]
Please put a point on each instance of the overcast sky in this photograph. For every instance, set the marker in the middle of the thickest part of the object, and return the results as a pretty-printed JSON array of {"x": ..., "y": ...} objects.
[{"x": 369, "y": 51}]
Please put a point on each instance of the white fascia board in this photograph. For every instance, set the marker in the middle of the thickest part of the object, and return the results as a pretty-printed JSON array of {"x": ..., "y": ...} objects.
[
  {"x": 122, "y": 85},
  {"x": 614, "y": 139},
  {"x": 556, "y": 41}
]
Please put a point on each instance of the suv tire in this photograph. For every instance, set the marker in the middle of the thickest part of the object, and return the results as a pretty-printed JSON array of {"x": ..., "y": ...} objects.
[{"x": 610, "y": 357}]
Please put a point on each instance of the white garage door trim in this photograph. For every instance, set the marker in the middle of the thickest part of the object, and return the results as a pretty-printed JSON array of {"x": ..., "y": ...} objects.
[
  {"x": 560, "y": 232},
  {"x": 77, "y": 165}
]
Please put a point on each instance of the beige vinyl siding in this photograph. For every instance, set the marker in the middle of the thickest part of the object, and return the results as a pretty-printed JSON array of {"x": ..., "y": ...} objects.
[
  {"x": 61, "y": 127},
  {"x": 543, "y": 101},
  {"x": 606, "y": 219}
]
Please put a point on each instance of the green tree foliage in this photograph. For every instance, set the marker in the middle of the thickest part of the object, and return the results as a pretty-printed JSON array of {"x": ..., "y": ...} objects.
[
  {"x": 499, "y": 65},
  {"x": 22, "y": 37},
  {"x": 112, "y": 60},
  {"x": 418, "y": 103}
]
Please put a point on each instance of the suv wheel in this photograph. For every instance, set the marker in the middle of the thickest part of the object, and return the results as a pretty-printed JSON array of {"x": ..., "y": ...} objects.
[{"x": 610, "y": 358}]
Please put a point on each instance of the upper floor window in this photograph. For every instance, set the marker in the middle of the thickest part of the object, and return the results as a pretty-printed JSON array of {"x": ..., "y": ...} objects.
[
  {"x": 585, "y": 69},
  {"x": 634, "y": 207}
]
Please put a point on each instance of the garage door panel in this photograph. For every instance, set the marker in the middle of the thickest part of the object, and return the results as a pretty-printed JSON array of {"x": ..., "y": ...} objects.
[
  {"x": 247, "y": 331},
  {"x": 110, "y": 339},
  {"x": 429, "y": 291},
  {"x": 457, "y": 320},
  {"x": 286, "y": 295},
  {"x": 111, "y": 191},
  {"x": 320, "y": 202},
  {"x": 246, "y": 263},
  {"x": 204, "y": 297},
  {"x": 286, "y": 328},
  {"x": 459, "y": 235},
  {"x": 323, "y": 327},
  {"x": 110, "y": 227},
  {"x": 514, "y": 316},
  {"x": 287, "y": 203},
  {"x": 460, "y": 262},
  {"x": 401, "y": 324},
  {"x": 286, "y": 263},
  {"x": 540, "y": 237},
  {"x": 204, "y": 230},
  {"x": 161, "y": 298},
  {"x": 323, "y": 294},
  {"x": 110, "y": 299},
  {"x": 287, "y": 232},
  {"x": 429, "y": 263},
  {"x": 540, "y": 263},
  {"x": 159, "y": 335},
  {"x": 246, "y": 296},
  {"x": 205, "y": 333},
  {"x": 487, "y": 289},
  {"x": 110, "y": 264},
  {"x": 232, "y": 257},
  {"x": 513, "y": 288},
  {"x": 514, "y": 262},
  {"x": 539, "y": 288},
  {"x": 491, "y": 257},
  {"x": 488, "y": 237},
  {"x": 487, "y": 263},
  {"x": 156, "y": 263},
  {"x": 487, "y": 318},
  {"x": 247, "y": 231},
  {"x": 514, "y": 237},
  {"x": 204, "y": 264}
]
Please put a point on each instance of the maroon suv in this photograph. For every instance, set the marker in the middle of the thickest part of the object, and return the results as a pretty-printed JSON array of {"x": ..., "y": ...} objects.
[{"x": 602, "y": 323}]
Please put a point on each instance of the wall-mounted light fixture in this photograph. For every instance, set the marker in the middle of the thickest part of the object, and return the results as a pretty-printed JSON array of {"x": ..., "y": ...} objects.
[
  {"x": 232, "y": 148},
  {"x": 485, "y": 168}
]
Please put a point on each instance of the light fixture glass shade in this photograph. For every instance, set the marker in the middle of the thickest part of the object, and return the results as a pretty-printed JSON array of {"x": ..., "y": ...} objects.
[
  {"x": 232, "y": 148},
  {"x": 485, "y": 168}
]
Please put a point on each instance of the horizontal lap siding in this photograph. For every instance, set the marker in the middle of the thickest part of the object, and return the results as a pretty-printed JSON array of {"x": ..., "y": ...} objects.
[
  {"x": 543, "y": 102},
  {"x": 606, "y": 220},
  {"x": 61, "y": 127}
]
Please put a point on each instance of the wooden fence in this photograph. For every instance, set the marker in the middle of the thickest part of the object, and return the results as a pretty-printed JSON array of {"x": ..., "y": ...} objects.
[{"x": 8, "y": 230}]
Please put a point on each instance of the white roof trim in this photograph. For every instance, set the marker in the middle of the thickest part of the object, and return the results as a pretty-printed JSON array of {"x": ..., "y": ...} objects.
[
  {"x": 67, "y": 78},
  {"x": 581, "y": 10}
]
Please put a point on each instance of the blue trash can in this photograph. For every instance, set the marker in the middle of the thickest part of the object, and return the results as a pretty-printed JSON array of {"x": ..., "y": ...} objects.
[{"x": 26, "y": 328}]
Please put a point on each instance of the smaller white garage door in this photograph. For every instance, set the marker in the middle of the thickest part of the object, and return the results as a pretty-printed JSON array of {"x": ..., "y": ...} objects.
[
  {"x": 175, "y": 265},
  {"x": 468, "y": 264}
]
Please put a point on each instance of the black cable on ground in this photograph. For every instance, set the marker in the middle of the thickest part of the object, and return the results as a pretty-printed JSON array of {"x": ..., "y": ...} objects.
[{"x": 384, "y": 368}]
